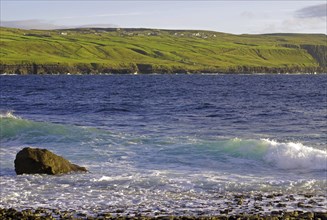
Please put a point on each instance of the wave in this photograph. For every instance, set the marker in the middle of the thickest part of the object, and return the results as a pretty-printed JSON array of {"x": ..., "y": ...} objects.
[
  {"x": 295, "y": 156},
  {"x": 15, "y": 128},
  {"x": 288, "y": 155},
  {"x": 8, "y": 114}
]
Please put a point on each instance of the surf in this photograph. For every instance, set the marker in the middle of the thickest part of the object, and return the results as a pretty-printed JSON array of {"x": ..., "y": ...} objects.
[
  {"x": 186, "y": 151},
  {"x": 25, "y": 131},
  {"x": 282, "y": 155}
]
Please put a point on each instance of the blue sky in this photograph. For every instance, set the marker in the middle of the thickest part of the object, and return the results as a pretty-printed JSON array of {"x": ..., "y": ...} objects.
[{"x": 225, "y": 16}]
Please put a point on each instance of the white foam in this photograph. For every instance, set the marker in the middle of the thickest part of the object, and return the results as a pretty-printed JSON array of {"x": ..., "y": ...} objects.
[
  {"x": 295, "y": 156},
  {"x": 111, "y": 178},
  {"x": 8, "y": 114}
]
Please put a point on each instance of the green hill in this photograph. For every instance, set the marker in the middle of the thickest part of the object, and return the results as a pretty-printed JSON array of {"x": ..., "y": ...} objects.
[{"x": 99, "y": 50}]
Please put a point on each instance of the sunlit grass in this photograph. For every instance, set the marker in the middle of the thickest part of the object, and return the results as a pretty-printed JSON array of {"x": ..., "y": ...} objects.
[{"x": 190, "y": 50}]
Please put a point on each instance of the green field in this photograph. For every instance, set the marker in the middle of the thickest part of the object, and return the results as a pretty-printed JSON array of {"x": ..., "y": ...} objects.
[{"x": 100, "y": 50}]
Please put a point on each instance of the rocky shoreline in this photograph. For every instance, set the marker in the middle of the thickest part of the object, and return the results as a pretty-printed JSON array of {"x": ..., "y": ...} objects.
[
  {"x": 85, "y": 69},
  {"x": 272, "y": 206},
  {"x": 45, "y": 213}
]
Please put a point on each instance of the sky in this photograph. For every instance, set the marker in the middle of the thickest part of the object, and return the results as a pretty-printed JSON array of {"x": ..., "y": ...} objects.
[{"x": 230, "y": 16}]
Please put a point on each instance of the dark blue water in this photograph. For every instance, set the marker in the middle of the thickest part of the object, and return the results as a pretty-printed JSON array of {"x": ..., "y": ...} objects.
[
  {"x": 153, "y": 140},
  {"x": 282, "y": 107}
]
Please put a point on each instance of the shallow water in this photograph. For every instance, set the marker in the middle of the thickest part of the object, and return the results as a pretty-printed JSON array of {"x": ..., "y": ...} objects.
[{"x": 175, "y": 143}]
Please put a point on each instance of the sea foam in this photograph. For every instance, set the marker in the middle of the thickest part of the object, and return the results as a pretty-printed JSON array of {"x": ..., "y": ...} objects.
[
  {"x": 8, "y": 114},
  {"x": 294, "y": 156},
  {"x": 288, "y": 155}
]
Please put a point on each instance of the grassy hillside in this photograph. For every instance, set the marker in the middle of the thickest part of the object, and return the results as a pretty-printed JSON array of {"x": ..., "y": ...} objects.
[{"x": 147, "y": 50}]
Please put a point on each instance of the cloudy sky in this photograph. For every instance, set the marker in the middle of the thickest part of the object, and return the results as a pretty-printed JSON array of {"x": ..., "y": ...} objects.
[{"x": 238, "y": 17}]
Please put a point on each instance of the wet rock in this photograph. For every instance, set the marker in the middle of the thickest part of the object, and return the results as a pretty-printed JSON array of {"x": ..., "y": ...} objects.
[
  {"x": 164, "y": 218},
  {"x": 294, "y": 214},
  {"x": 239, "y": 196},
  {"x": 42, "y": 161},
  {"x": 81, "y": 215},
  {"x": 187, "y": 218},
  {"x": 240, "y": 202},
  {"x": 56, "y": 211},
  {"x": 234, "y": 218},
  {"x": 276, "y": 212},
  {"x": 300, "y": 205},
  {"x": 280, "y": 205},
  {"x": 258, "y": 198},
  {"x": 321, "y": 215},
  {"x": 104, "y": 216},
  {"x": 307, "y": 215},
  {"x": 308, "y": 195},
  {"x": 312, "y": 202},
  {"x": 270, "y": 196}
]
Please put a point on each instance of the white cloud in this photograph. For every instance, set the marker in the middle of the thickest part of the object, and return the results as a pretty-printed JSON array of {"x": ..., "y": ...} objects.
[
  {"x": 247, "y": 15},
  {"x": 312, "y": 19},
  {"x": 313, "y": 24},
  {"x": 46, "y": 25},
  {"x": 315, "y": 11},
  {"x": 296, "y": 25},
  {"x": 30, "y": 24},
  {"x": 98, "y": 26},
  {"x": 101, "y": 15}
]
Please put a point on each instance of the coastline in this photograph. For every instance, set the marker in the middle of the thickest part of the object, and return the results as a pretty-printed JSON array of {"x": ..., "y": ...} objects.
[
  {"x": 49, "y": 69},
  {"x": 45, "y": 213},
  {"x": 145, "y": 51},
  {"x": 238, "y": 206}
]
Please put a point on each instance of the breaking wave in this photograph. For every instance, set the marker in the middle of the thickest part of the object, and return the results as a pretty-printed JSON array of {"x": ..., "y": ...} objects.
[
  {"x": 288, "y": 155},
  {"x": 8, "y": 114},
  {"x": 295, "y": 156},
  {"x": 280, "y": 155},
  {"x": 15, "y": 128}
]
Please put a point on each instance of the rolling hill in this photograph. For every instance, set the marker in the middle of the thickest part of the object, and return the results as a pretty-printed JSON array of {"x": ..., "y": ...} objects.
[{"x": 116, "y": 50}]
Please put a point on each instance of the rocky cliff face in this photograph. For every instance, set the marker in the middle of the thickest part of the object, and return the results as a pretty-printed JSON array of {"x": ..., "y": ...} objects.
[
  {"x": 318, "y": 52},
  {"x": 26, "y": 69}
]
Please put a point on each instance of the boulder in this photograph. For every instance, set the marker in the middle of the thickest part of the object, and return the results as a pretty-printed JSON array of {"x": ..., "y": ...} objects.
[{"x": 41, "y": 161}]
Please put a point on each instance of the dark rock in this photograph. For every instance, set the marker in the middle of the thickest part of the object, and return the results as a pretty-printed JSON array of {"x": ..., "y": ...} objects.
[
  {"x": 307, "y": 215},
  {"x": 300, "y": 205},
  {"x": 144, "y": 68},
  {"x": 295, "y": 214},
  {"x": 259, "y": 198},
  {"x": 240, "y": 196},
  {"x": 312, "y": 202},
  {"x": 308, "y": 195},
  {"x": 276, "y": 213},
  {"x": 321, "y": 215},
  {"x": 240, "y": 202},
  {"x": 224, "y": 211},
  {"x": 41, "y": 161},
  {"x": 280, "y": 205},
  {"x": 291, "y": 198}
]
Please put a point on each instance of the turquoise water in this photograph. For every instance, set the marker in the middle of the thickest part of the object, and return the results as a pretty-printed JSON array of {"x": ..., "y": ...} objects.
[{"x": 164, "y": 142}]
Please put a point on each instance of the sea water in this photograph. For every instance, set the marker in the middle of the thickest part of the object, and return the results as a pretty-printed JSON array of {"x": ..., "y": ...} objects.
[{"x": 170, "y": 143}]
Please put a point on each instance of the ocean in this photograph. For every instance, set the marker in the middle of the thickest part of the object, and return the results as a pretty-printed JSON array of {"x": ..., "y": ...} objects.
[{"x": 173, "y": 144}]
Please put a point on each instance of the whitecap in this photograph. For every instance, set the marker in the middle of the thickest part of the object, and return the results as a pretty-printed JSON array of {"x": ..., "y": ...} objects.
[
  {"x": 8, "y": 114},
  {"x": 294, "y": 156}
]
